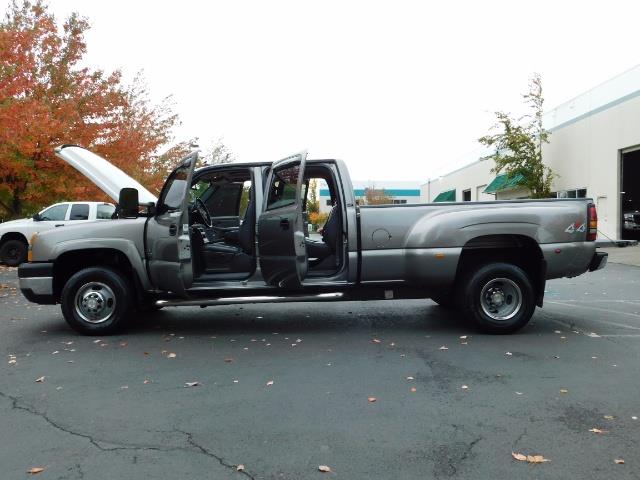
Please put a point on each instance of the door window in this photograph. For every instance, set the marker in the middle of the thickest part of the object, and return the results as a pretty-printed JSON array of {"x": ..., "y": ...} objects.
[
  {"x": 56, "y": 213},
  {"x": 79, "y": 211},
  {"x": 105, "y": 211},
  {"x": 282, "y": 191},
  {"x": 174, "y": 190}
]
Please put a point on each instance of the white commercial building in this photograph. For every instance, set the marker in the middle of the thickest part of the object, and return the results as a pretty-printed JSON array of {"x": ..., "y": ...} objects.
[
  {"x": 594, "y": 149},
  {"x": 399, "y": 192}
]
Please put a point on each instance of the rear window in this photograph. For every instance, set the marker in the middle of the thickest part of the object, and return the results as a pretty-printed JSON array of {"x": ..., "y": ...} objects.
[
  {"x": 105, "y": 211},
  {"x": 79, "y": 211}
]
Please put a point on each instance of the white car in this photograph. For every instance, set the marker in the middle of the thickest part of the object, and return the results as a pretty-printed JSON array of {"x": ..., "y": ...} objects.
[{"x": 15, "y": 235}]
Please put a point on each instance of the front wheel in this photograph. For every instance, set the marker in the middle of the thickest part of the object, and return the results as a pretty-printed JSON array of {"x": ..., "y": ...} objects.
[
  {"x": 498, "y": 297},
  {"x": 96, "y": 301}
]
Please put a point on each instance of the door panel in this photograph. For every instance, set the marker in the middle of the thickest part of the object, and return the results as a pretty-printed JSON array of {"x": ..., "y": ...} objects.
[
  {"x": 281, "y": 241},
  {"x": 168, "y": 240}
]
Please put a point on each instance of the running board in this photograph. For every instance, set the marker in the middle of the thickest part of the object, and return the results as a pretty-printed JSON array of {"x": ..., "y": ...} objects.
[{"x": 320, "y": 297}]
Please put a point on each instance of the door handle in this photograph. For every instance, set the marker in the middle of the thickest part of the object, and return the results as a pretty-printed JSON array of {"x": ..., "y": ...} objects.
[
  {"x": 173, "y": 229},
  {"x": 59, "y": 225},
  {"x": 284, "y": 224}
]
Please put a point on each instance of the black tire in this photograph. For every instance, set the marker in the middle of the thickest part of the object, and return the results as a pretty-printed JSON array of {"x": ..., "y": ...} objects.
[
  {"x": 13, "y": 252},
  {"x": 489, "y": 297},
  {"x": 446, "y": 300},
  {"x": 97, "y": 301}
]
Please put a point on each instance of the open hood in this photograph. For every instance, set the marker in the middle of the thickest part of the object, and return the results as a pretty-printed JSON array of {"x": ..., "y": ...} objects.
[{"x": 109, "y": 178}]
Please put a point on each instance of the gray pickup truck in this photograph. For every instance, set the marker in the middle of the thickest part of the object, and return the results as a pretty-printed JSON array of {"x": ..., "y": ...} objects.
[{"x": 237, "y": 233}]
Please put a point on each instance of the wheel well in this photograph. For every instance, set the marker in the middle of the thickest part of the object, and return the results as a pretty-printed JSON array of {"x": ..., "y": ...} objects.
[
  {"x": 72, "y": 262},
  {"x": 518, "y": 250},
  {"x": 14, "y": 236}
]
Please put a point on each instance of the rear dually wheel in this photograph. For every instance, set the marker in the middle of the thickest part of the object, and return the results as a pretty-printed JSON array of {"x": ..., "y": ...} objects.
[{"x": 498, "y": 297}]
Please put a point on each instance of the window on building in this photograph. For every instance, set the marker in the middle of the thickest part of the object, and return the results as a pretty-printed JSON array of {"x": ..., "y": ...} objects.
[
  {"x": 79, "y": 211},
  {"x": 466, "y": 195},
  {"x": 398, "y": 201}
]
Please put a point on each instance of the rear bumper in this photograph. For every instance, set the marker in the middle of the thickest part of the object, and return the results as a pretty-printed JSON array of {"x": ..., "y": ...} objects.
[
  {"x": 36, "y": 282},
  {"x": 598, "y": 261}
]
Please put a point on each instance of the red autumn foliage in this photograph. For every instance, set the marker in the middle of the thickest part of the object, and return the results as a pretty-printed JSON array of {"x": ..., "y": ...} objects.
[{"x": 48, "y": 98}]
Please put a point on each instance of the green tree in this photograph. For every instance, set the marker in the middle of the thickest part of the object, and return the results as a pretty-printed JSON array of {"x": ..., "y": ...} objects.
[
  {"x": 313, "y": 204},
  {"x": 518, "y": 144}
]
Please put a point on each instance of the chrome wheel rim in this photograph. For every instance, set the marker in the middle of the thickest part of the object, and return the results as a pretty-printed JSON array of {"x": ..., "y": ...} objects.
[
  {"x": 501, "y": 299},
  {"x": 95, "y": 302}
]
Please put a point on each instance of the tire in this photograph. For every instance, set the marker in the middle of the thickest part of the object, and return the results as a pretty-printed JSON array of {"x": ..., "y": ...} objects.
[
  {"x": 446, "y": 300},
  {"x": 498, "y": 297},
  {"x": 13, "y": 252},
  {"x": 97, "y": 301}
]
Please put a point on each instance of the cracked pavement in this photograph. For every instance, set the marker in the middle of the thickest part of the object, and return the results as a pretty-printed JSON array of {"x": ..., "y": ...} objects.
[{"x": 95, "y": 417}]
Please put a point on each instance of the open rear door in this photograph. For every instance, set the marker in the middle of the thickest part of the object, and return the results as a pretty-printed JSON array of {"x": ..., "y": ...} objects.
[
  {"x": 281, "y": 242},
  {"x": 168, "y": 239}
]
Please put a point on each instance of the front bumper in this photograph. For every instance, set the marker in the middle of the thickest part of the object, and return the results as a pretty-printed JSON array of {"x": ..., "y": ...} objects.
[
  {"x": 598, "y": 261},
  {"x": 36, "y": 282}
]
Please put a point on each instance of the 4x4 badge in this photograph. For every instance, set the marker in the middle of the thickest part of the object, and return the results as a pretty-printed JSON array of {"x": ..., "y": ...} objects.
[{"x": 576, "y": 227}]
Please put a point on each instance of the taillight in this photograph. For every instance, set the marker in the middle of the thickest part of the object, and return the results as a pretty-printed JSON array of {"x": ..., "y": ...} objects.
[{"x": 592, "y": 217}]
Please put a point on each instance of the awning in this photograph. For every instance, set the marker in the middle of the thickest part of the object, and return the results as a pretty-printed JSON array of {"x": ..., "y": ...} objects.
[
  {"x": 447, "y": 196},
  {"x": 504, "y": 182}
]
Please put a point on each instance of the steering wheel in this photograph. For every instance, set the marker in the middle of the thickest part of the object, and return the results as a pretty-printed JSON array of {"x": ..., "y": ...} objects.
[{"x": 203, "y": 211}]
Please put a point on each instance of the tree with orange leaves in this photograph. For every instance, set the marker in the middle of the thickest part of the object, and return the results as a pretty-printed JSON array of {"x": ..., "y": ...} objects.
[{"x": 47, "y": 98}]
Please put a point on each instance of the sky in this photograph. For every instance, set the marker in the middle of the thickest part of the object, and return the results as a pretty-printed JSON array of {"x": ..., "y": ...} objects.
[{"x": 399, "y": 89}]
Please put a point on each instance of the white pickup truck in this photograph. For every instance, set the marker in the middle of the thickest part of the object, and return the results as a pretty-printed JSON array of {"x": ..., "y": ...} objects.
[{"x": 16, "y": 234}]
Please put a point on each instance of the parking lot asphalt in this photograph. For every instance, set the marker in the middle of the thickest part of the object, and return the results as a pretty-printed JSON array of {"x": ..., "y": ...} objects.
[{"x": 284, "y": 389}]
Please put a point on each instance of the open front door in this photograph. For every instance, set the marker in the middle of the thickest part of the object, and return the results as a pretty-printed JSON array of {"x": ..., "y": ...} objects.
[
  {"x": 281, "y": 243},
  {"x": 168, "y": 240}
]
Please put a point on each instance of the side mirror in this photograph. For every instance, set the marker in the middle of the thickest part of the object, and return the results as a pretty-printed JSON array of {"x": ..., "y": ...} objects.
[
  {"x": 36, "y": 217},
  {"x": 128, "y": 203}
]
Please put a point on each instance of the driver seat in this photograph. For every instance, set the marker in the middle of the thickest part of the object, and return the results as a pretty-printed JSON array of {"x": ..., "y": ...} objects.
[{"x": 225, "y": 257}]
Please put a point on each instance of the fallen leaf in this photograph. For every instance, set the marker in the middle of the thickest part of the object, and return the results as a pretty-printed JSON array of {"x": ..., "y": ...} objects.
[
  {"x": 518, "y": 456},
  {"x": 518, "y": 393},
  {"x": 597, "y": 430},
  {"x": 375, "y": 340},
  {"x": 146, "y": 380},
  {"x": 240, "y": 468},
  {"x": 619, "y": 461},
  {"x": 609, "y": 417},
  {"x": 35, "y": 470},
  {"x": 269, "y": 383},
  {"x": 40, "y": 379},
  {"x": 228, "y": 360},
  {"x": 409, "y": 378},
  {"x": 191, "y": 384},
  {"x": 464, "y": 387},
  {"x": 13, "y": 361},
  {"x": 371, "y": 399},
  {"x": 564, "y": 390},
  {"x": 172, "y": 355},
  {"x": 414, "y": 389},
  {"x": 324, "y": 468},
  {"x": 123, "y": 344},
  {"x": 463, "y": 337},
  {"x": 537, "y": 459},
  {"x": 508, "y": 353},
  {"x": 443, "y": 348},
  {"x": 634, "y": 418}
]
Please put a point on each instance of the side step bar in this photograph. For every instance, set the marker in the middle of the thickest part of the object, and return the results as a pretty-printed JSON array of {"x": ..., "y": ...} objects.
[{"x": 320, "y": 297}]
